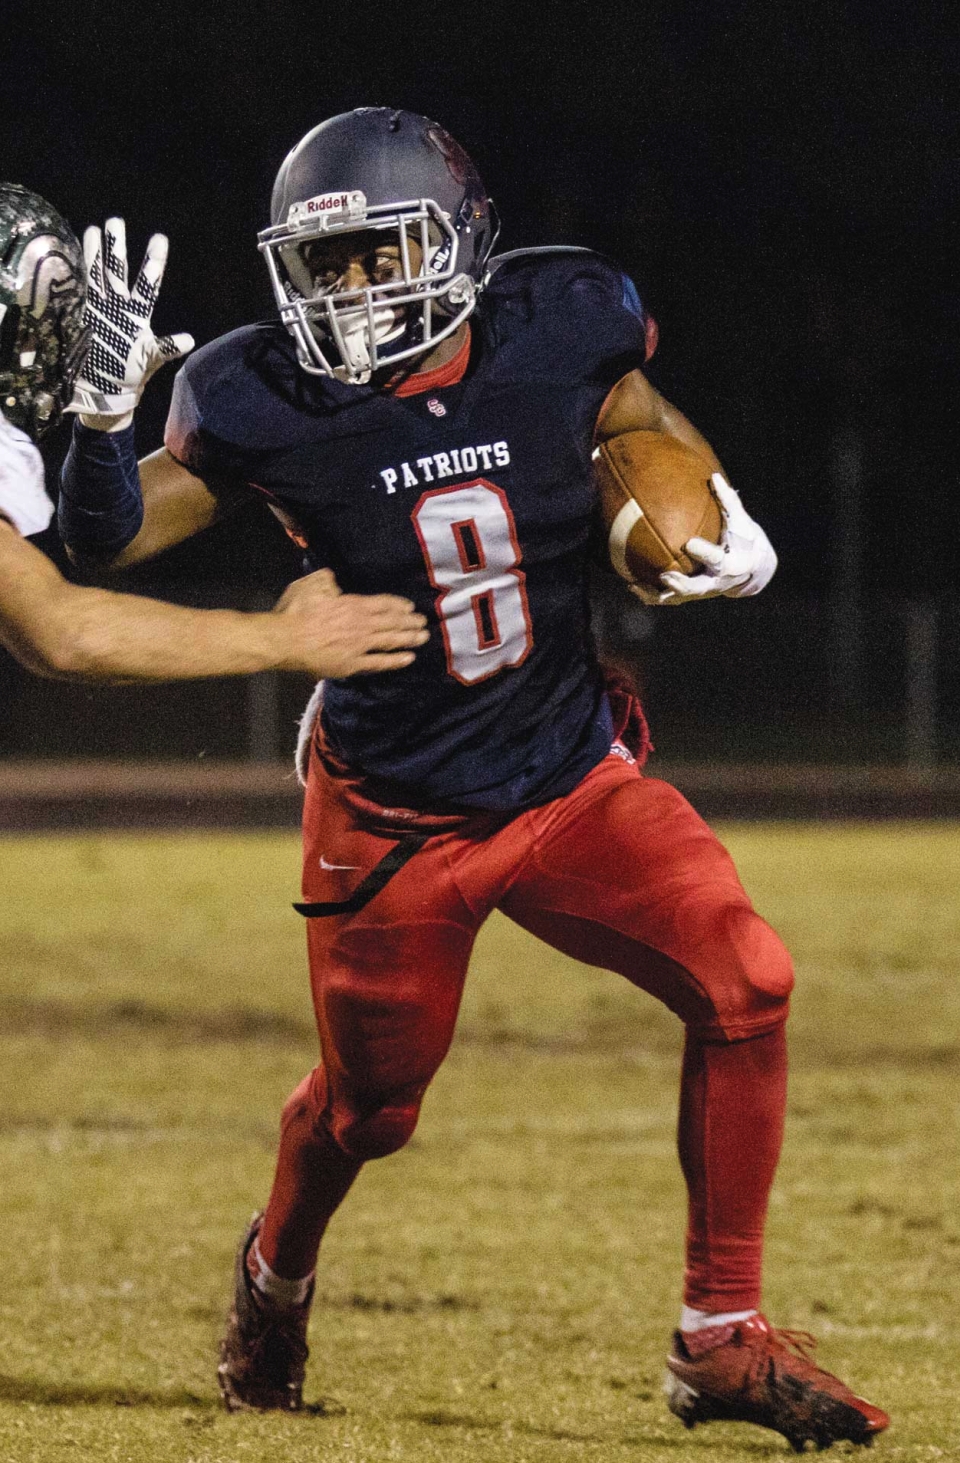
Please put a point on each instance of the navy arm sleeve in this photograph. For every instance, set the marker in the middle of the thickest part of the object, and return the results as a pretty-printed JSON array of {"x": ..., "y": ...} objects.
[{"x": 101, "y": 505}]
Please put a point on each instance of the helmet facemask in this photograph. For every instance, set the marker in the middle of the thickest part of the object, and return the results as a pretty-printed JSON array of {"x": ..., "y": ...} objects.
[{"x": 352, "y": 333}]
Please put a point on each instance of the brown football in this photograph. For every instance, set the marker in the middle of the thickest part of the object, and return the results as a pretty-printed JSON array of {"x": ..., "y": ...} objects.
[{"x": 655, "y": 494}]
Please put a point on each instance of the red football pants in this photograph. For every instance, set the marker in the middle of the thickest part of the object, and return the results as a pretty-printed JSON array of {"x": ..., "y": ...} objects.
[{"x": 621, "y": 873}]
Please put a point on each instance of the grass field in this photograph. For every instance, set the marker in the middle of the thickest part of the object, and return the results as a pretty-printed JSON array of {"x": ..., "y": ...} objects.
[{"x": 504, "y": 1289}]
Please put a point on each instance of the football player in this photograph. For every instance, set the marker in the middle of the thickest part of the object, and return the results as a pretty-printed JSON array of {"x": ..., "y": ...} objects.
[
  {"x": 422, "y": 417},
  {"x": 61, "y": 629}
]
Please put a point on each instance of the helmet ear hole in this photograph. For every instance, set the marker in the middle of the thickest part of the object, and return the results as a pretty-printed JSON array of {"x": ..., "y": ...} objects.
[
  {"x": 26, "y": 347},
  {"x": 9, "y": 335}
]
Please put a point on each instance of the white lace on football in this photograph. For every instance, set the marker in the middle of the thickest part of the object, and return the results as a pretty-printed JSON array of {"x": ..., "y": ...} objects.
[{"x": 124, "y": 352}]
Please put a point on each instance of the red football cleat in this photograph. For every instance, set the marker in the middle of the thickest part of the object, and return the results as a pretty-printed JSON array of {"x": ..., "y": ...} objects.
[
  {"x": 750, "y": 1372},
  {"x": 263, "y": 1354}
]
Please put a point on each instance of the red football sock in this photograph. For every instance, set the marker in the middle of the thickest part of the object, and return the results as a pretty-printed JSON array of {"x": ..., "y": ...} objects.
[
  {"x": 312, "y": 1177},
  {"x": 732, "y": 1105}
]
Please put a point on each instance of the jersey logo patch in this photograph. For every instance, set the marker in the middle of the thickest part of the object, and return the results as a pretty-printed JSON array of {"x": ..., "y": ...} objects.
[{"x": 437, "y": 407}]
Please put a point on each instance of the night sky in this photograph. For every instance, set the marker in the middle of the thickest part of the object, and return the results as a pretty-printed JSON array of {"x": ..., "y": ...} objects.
[{"x": 781, "y": 181}]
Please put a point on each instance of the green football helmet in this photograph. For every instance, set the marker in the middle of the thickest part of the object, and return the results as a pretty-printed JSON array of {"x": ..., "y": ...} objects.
[{"x": 43, "y": 289}]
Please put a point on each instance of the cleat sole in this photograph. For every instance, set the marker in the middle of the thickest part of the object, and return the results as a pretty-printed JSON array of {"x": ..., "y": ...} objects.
[{"x": 682, "y": 1400}]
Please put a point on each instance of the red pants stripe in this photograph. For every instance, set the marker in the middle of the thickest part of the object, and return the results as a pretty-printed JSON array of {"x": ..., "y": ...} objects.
[{"x": 621, "y": 873}]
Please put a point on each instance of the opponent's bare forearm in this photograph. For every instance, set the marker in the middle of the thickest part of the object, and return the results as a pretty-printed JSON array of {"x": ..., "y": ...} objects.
[
  {"x": 61, "y": 630},
  {"x": 124, "y": 637}
]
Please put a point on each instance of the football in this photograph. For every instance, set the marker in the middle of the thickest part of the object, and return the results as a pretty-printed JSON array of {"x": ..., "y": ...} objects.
[{"x": 655, "y": 494}]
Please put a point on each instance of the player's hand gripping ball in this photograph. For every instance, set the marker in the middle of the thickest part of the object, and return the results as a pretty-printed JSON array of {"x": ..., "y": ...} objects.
[{"x": 676, "y": 530}]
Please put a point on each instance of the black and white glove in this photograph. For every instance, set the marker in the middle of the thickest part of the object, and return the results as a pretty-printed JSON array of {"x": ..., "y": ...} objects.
[
  {"x": 124, "y": 352},
  {"x": 741, "y": 564}
]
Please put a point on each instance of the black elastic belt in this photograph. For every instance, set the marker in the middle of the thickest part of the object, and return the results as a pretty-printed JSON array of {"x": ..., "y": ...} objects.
[{"x": 378, "y": 877}]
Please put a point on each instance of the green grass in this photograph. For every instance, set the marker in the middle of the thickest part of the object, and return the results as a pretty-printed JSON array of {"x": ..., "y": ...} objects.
[{"x": 504, "y": 1288}]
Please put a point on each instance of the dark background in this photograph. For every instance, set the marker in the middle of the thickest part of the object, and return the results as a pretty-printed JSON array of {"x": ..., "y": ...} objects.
[{"x": 782, "y": 183}]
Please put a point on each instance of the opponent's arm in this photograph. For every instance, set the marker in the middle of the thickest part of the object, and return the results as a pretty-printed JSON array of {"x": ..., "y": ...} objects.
[
  {"x": 744, "y": 561},
  {"x": 65, "y": 631},
  {"x": 59, "y": 629}
]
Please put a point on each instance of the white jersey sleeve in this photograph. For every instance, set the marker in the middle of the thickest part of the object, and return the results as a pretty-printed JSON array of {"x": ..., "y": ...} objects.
[{"x": 23, "y": 497}]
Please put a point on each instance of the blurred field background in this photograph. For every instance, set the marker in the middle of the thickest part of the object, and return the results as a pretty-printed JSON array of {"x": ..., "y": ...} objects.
[{"x": 504, "y": 1289}]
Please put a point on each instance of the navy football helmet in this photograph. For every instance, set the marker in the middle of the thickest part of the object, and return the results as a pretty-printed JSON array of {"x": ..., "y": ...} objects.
[
  {"x": 43, "y": 288},
  {"x": 377, "y": 170}
]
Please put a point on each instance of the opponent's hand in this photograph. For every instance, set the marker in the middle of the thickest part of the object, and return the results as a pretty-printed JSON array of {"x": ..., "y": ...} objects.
[
  {"x": 337, "y": 635},
  {"x": 124, "y": 352},
  {"x": 742, "y": 563}
]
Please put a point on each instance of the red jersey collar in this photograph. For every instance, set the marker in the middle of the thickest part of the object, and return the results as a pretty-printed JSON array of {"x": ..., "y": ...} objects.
[{"x": 448, "y": 374}]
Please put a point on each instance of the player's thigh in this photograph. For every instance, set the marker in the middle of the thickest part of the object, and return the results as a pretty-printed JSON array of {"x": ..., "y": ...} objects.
[
  {"x": 386, "y": 977},
  {"x": 386, "y": 992},
  {"x": 629, "y": 877}
]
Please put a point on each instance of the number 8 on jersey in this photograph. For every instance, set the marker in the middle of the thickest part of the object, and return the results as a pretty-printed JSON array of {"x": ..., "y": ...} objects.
[{"x": 469, "y": 541}]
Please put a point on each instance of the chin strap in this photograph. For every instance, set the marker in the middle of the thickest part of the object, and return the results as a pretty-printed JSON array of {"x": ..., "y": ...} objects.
[{"x": 359, "y": 369}]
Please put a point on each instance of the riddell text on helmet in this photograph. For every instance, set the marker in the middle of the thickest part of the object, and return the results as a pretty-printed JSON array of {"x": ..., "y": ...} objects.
[{"x": 353, "y": 204}]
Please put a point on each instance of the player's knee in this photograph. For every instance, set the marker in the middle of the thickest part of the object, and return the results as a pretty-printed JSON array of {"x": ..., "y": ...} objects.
[
  {"x": 746, "y": 978},
  {"x": 377, "y": 1134},
  {"x": 767, "y": 970},
  {"x": 774, "y": 974}
]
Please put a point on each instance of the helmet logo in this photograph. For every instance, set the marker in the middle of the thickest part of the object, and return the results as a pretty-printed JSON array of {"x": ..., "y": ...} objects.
[
  {"x": 328, "y": 206},
  {"x": 458, "y": 162},
  {"x": 45, "y": 271}
]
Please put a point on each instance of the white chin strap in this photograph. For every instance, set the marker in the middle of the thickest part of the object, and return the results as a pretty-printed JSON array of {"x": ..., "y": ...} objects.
[{"x": 356, "y": 344}]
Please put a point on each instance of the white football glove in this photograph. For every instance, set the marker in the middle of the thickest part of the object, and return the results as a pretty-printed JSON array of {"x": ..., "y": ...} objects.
[
  {"x": 124, "y": 352},
  {"x": 742, "y": 563}
]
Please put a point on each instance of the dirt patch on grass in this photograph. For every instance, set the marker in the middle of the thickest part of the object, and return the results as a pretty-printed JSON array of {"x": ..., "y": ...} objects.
[
  {"x": 113, "y": 1020},
  {"x": 404, "y": 1305}
]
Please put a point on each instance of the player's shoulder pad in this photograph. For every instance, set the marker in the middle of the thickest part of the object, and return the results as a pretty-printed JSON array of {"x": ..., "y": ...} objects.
[
  {"x": 547, "y": 272},
  {"x": 229, "y": 389},
  {"x": 220, "y": 362}
]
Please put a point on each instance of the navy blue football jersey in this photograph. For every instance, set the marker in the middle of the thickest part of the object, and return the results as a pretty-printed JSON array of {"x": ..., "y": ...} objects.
[{"x": 475, "y": 500}]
